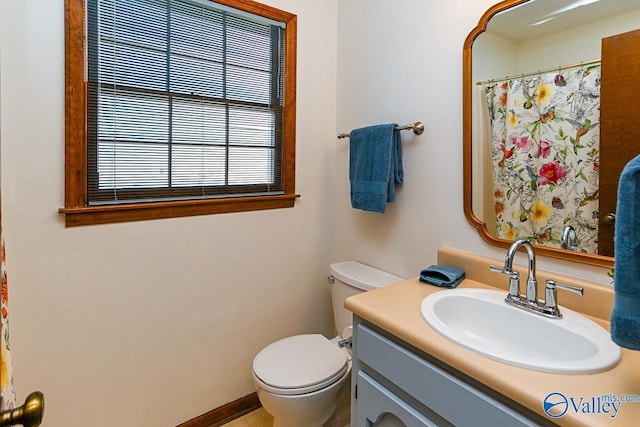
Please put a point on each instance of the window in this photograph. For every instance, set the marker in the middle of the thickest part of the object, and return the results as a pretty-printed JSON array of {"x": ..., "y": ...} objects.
[{"x": 176, "y": 108}]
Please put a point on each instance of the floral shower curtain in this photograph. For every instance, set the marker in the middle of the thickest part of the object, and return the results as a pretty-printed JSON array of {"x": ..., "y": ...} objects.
[
  {"x": 7, "y": 392},
  {"x": 545, "y": 143}
]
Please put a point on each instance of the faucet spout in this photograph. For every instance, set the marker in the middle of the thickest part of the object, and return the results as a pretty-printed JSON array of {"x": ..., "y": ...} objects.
[
  {"x": 569, "y": 238},
  {"x": 532, "y": 283}
]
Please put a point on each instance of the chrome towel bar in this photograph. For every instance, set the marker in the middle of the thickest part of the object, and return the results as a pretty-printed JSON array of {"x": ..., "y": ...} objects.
[{"x": 417, "y": 127}]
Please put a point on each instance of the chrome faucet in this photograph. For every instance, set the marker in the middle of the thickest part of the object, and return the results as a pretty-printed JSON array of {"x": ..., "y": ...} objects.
[
  {"x": 530, "y": 300},
  {"x": 569, "y": 239}
]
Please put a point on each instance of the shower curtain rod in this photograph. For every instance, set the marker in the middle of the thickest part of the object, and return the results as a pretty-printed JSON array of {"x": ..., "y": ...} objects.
[
  {"x": 417, "y": 127},
  {"x": 533, "y": 73}
]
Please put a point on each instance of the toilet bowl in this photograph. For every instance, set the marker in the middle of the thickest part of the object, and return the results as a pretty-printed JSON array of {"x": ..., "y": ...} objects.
[{"x": 299, "y": 379}]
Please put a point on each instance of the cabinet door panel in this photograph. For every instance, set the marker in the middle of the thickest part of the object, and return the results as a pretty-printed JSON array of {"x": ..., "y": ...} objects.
[{"x": 379, "y": 407}]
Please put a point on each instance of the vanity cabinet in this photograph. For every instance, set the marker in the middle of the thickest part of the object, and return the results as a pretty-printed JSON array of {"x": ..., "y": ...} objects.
[{"x": 395, "y": 385}]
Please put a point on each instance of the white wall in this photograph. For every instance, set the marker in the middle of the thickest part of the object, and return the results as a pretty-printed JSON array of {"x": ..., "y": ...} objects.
[
  {"x": 579, "y": 44},
  {"x": 153, "y": 323},
  {"x": 401, "y": 61}
]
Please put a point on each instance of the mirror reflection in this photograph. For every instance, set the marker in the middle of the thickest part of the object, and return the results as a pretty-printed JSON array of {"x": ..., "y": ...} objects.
[{"x": 538, "y": 147}]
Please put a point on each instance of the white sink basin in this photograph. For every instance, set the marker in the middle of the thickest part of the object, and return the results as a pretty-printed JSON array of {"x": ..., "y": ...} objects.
[{"x": 480, "y": 320}]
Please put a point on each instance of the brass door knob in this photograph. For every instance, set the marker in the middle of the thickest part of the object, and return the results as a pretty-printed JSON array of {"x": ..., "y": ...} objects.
[
  {"x": 609, "y": 218},
  {"x": 28, "y": 415}
]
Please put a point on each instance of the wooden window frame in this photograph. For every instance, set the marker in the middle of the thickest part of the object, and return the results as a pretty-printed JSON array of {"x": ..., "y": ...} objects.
[{"x": 76, "y": 209}]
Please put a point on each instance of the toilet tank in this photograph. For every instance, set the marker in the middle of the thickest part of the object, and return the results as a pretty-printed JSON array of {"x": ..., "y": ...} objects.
[{"x": 350, "y": 278}]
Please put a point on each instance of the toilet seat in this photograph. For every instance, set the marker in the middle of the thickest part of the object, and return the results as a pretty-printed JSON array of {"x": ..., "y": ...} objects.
[{"x": 300, "y": 364}]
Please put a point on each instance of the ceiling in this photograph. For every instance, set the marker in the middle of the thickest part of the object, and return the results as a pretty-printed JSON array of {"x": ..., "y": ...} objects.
[{"x": 515, "y": 24}]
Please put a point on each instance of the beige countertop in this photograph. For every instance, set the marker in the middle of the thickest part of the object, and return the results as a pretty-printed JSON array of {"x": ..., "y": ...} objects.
[{"x": 396, "y": 309}]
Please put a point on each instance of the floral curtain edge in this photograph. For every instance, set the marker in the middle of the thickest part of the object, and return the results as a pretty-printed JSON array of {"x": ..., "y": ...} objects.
[{"x": 7, "y": 392}]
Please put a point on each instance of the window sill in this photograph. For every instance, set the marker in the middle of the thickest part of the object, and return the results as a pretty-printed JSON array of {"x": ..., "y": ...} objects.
[{"x": 93, "y": 215}]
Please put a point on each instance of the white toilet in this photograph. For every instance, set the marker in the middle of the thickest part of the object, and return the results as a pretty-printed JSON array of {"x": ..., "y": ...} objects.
[{"x": 299, "y": 378}]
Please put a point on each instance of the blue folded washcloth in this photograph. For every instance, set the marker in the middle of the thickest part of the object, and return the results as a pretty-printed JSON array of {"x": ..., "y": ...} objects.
[
  {"x": 442, "y": 275},
  {"x": 375, "y": 166},
  {"x": 625, "y": 317}
]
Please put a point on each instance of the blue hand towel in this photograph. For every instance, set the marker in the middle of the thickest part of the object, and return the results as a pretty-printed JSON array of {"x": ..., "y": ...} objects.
[
  {"x": 375, "y": 166},
  {"x": 625, "y": 317},
  {"x": 442, "y": 275}
]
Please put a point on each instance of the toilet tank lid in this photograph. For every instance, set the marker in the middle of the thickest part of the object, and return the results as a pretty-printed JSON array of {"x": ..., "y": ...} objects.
[{"x": 362, "y": 276}]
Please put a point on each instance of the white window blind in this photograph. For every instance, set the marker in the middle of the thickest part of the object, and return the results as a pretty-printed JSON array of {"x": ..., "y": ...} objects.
[{"x": 184, "y": 101}]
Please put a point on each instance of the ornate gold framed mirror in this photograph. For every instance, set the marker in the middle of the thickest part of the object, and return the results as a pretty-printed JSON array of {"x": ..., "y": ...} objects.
[{"x": 528, "y": 38}]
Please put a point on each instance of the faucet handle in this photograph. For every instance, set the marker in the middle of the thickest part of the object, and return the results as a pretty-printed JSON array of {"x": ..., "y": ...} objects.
[
  {"x": 514, "y": 279},
  {"x": 496, "y": 269},
  {"x": 550, "y": 294},
  {"x": 503, "y": 270}
]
